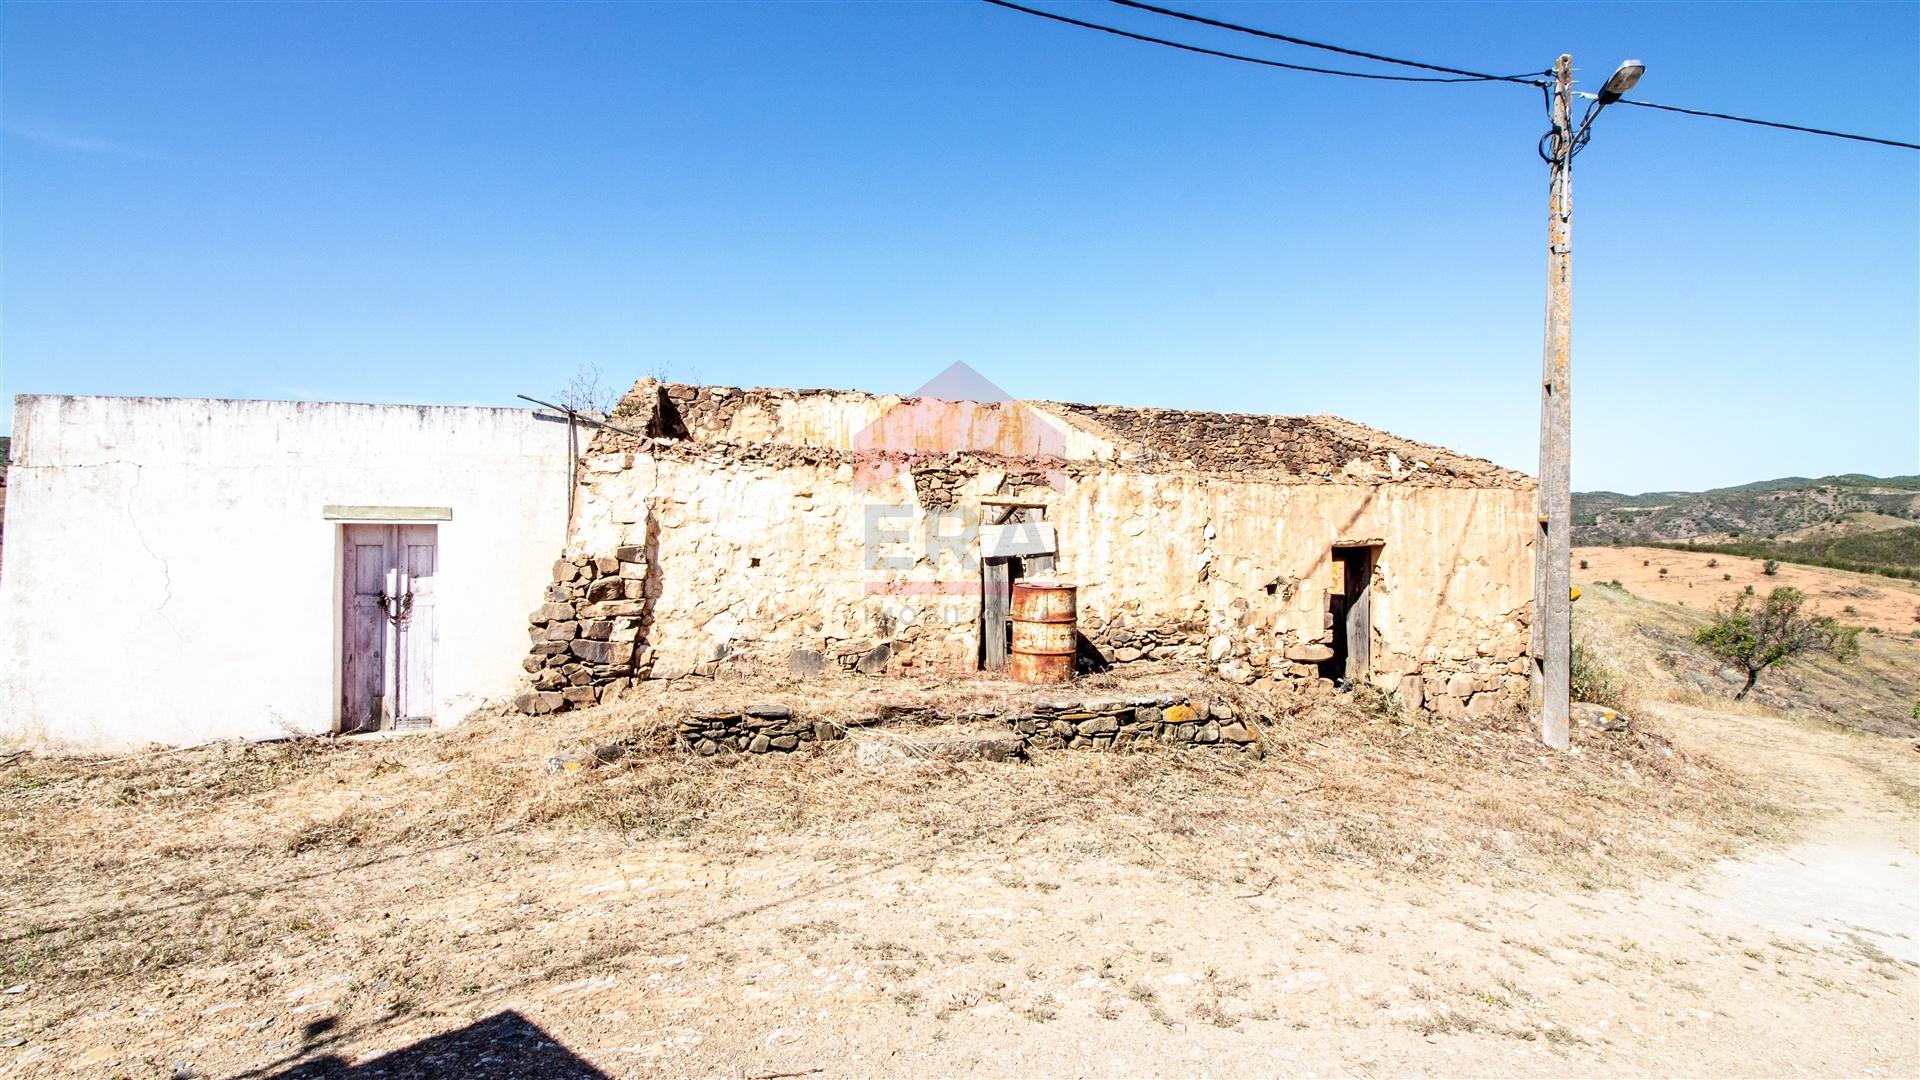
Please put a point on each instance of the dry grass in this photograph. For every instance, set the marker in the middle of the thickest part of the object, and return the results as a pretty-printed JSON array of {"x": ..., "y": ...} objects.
[{"x": 143, "y": 869}]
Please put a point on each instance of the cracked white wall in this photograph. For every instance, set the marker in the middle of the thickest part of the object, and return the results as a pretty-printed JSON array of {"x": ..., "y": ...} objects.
[{"x": 168, "y": 575}]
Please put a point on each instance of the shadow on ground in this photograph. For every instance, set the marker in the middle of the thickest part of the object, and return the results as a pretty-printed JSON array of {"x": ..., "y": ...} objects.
[{"x": 505, "y": 1044}]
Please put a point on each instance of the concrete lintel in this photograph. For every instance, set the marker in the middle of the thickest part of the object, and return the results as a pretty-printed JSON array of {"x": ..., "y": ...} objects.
[{"x": 387, "y": 513}]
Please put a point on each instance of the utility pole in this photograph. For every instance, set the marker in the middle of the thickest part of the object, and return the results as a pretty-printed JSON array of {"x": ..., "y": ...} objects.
[{"x": 1552, "y": 548}]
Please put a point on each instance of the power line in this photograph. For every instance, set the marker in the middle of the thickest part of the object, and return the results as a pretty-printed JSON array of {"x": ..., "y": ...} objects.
[
  {"x": 1117, "y": 32},
  {"x": 1291, "y": 40},
  {"x": 1474, "y": 76},
  {"x": 1759, "y": 123}
]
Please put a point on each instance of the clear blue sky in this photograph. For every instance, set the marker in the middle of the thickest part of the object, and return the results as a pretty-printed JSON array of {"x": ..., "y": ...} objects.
[{"x": 455, "y": 203}]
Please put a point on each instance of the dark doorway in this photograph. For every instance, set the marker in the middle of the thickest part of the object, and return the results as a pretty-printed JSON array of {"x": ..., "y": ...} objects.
[{"x": 1350, "y": 602}]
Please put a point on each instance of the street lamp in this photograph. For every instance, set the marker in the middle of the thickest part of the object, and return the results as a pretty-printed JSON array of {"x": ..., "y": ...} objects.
[
  {"x": 1552, "y": 550},
  {"x": 1625, "y": 77}
]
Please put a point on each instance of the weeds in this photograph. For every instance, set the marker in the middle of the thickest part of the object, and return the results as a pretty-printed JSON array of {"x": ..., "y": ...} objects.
[{"x": 1595, "y": 681}]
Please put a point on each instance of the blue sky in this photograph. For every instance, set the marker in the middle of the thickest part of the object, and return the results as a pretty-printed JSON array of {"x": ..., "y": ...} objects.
[{"x": 456, "y": 203}]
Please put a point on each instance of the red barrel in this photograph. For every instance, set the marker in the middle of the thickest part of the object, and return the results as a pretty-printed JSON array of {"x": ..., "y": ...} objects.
[{"x": 1045, "y": 615}]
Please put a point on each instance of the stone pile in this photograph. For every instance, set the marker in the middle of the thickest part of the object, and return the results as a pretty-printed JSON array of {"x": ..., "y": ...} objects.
[
  {"x": 1097, "y": 724},
  {"x": 586, "y": 637},
  {"x": 1056, "y": 724},
  {"x": 756, "y": 729}
]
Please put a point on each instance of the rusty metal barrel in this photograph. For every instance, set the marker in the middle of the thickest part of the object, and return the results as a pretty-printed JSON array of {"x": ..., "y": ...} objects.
[{"x": 1045, "y": 616}]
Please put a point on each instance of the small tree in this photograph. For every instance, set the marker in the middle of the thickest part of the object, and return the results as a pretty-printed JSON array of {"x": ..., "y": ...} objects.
[
  {"x": 1770, "y": 567},
  {"x": 1756, "y": 637},
  {"x": 586, "y": 393}
]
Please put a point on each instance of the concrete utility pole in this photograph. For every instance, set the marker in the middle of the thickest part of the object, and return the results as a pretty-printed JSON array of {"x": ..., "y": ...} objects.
[
  {"x": 1552, "y": 576},
  {"x": 1552, "y": 546}
]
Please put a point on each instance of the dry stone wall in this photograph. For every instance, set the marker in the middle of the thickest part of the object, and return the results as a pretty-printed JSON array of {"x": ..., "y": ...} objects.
[{"x": 1057, "y": 723}]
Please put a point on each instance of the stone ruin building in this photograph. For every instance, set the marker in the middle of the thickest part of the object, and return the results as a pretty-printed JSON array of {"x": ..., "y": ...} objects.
[{"x": 797, "y": 531}]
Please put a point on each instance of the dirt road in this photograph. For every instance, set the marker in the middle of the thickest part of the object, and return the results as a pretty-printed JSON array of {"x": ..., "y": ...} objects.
[{"x": 1044, "y": 953}]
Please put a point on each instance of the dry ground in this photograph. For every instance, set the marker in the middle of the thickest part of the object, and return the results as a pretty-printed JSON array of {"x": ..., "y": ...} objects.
[
  {"x": 1718, "y": 891},
  {"x": 1891, "y": 605}
]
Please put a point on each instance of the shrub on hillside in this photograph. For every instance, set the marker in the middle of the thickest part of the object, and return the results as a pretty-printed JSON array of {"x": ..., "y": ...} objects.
[{"x": 1756, "y": 637}]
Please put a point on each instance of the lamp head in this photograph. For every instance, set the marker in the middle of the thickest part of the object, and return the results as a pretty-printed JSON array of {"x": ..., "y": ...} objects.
[{"x": 1624, "y": 78}]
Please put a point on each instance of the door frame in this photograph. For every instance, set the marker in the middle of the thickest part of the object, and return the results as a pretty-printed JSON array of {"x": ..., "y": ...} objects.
[
  {"x": 339, "y": 517},
  {"x": 1355, "y": 595},
  {"x": 997, "y": 577}
]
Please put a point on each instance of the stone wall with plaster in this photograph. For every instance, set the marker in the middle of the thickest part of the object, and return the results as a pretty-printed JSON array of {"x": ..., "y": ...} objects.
[{"x": 794, "y": 530}]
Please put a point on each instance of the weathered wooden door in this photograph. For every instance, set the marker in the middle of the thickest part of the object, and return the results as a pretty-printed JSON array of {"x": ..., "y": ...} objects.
[
  {"x": 389, "y": 626},
  {"x": 1360, "y": 623},
  {"x": 1359, "y": 612}
]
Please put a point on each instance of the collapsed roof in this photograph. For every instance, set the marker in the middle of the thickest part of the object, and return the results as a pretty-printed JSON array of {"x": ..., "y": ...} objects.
[{"x": 827, "y": 425}]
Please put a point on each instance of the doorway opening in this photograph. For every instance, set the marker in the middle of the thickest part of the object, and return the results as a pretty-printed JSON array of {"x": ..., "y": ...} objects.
[
  {"x": 1350, "y": 603},
  {"x": 389, "y": 626}
]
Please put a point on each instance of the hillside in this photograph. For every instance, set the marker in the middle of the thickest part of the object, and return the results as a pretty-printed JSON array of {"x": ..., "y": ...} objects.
[
  {"x": 1853, "y": 521},
  {"x": 1654, "y": 598}
]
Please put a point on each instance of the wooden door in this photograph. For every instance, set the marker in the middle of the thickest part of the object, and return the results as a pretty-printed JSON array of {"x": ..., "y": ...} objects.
[
  {"x": 1359, "y": 613},
  {"x": 414, "y": 627},
  {"x": 389, "y": 626}
]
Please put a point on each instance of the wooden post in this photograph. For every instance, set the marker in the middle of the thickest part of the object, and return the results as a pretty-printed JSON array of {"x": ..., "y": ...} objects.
[
  {"x": 1552, "y": 577},
  {"x": 573, "y": 468}
]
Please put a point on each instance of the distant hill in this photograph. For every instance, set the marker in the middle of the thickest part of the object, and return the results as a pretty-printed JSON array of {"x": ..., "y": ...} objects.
[
  {"x": 1850, "y": 522},
  {"x": 1765, "y": 510}
]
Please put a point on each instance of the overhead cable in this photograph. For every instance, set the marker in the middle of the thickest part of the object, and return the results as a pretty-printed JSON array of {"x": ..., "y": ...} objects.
[
  {"x": 1262, "y": 61},
  {"x": 1530, "y": 78}
]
